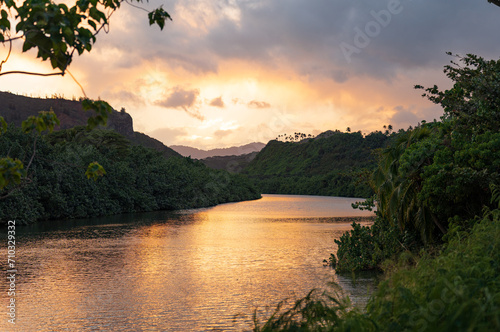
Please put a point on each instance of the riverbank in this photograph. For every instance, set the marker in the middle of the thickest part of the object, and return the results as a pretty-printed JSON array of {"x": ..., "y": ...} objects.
[
  {"x": 136, "y": 178},
  {"x": 456, "y": 289}
]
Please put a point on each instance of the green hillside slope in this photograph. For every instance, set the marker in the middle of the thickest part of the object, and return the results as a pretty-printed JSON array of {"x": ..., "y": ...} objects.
[{"x": 332, "y": 164}]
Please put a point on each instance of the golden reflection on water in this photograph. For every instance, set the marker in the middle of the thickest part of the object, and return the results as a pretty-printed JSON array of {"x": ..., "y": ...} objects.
[{"x": 188, "y": 271}]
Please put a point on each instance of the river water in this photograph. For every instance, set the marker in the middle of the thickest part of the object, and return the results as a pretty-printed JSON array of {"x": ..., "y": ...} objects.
[{"x": 193, "y": 270}]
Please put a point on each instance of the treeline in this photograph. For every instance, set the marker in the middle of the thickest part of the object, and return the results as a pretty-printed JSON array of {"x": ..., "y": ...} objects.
[
  {"x": 333, "y": 164},
  {"x": 136, "y": 179}
]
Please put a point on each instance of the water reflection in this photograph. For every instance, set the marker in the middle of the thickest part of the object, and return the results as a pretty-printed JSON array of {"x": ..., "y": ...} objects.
[{"x": 177, "y": 271}]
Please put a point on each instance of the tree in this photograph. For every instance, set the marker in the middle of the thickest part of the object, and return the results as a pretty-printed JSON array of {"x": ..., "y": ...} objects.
[
  {"x": 397, "y": 182},
  {"x": 442, "y": 172},
  {"x": 57, "y": 32}
]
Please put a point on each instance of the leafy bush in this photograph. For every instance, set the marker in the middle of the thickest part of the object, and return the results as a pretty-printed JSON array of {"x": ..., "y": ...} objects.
[
  {"x": 366, "y": 247},
  {"x": 458, "y": 290}
]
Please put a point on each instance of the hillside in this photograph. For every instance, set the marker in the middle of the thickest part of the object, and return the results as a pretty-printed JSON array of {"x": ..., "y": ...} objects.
[
  {"x": 15, "y": 109},
  {"x": 195, "y": 153},
  {"x": 334, "y": 164},
  {"x": 232, "y": 164},
  {"x": 150, "y": 142}
]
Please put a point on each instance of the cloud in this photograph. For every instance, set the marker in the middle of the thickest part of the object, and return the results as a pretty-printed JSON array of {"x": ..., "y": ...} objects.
[
  {"x": 217, "y": 102},
  {"x": 183, "y": 99},
  {"x": 403, "y": 118},
  {"x": 126, "y": 97},
  {"x": 304, "y": 35},
  {"x": 258, "y": 104},
  {"x": 222, "y": 133},
  {"x": 282, "y": 55},
  {"x": 180, "y": 98}
]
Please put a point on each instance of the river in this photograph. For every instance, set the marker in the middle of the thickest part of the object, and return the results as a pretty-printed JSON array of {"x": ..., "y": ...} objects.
[{"x": 192, "y": 270}]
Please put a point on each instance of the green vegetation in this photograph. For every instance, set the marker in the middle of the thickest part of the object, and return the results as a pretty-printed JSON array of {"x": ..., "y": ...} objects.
[
  {"x": 438, "y": 177},
  {"x": 332, "y": 164},
  {"x": 57, "y": 32},
  {"x": 438, "y": 222},
  {"x": 459, "y": 290},
  {"x": 136, "y": 178}
]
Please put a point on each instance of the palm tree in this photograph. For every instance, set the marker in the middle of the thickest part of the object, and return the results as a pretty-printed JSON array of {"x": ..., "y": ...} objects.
[{"x": 397, "y": 187}]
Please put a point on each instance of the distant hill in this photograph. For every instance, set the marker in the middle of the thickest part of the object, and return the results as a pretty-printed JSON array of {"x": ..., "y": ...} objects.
[
  {"x": 334, "y": 163},
  {"x": 15, "y": 109},
  {"x": 232, "y": 164},
  {"x": 195, "y": 153}
]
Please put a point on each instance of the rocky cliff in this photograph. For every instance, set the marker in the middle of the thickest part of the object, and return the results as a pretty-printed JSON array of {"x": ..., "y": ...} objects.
[{"x": 15, "y": 109}]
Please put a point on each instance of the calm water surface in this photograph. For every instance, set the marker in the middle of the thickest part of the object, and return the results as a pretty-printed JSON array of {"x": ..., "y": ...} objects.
[{"x": 192, "y": 270}]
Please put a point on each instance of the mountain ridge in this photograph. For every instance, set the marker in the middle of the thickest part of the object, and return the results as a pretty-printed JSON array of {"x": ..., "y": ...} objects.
[{"x": 196, "y": 153}]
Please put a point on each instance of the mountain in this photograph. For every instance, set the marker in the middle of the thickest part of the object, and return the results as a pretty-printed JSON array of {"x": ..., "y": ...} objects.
[
  {"x": 15, "y": 109},
  {"x": 333, "y": 164},
  {"x": 195, "y": 153}
]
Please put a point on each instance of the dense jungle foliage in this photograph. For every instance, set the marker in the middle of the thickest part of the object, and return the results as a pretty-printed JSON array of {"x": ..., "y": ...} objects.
[
  {"x": 337, "y": 164},
  {"x": 438, "y": 219},
  {"x": 136, "y": 178},
  {"x": 439, "y": 176}
]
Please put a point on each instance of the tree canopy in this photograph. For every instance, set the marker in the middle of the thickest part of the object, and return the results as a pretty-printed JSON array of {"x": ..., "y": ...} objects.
[{"x": 57, "y": 32}]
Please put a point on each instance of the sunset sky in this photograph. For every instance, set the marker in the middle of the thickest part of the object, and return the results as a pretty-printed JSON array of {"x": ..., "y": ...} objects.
[{"x": 226, "y": 73}]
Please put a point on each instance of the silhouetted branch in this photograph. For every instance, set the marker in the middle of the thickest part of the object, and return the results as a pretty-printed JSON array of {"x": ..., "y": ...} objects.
[
  {"x": 8, "y": 54},
  {"x": 31, "y": 73},
  {"x": 495, "y": 2}
]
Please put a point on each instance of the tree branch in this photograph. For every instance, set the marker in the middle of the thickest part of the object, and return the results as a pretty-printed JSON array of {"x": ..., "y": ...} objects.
[
  {"x": 12, "y": 39},
  {"x": 8, "y": 54},
  {"x": 33, "y": 155},
  {"x": 31, "y": 73}
]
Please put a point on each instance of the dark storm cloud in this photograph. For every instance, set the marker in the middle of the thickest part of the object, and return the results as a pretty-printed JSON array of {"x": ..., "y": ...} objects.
[
  {"x": 307, "y": 35},
  {"x": 415, "y": 34}
]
